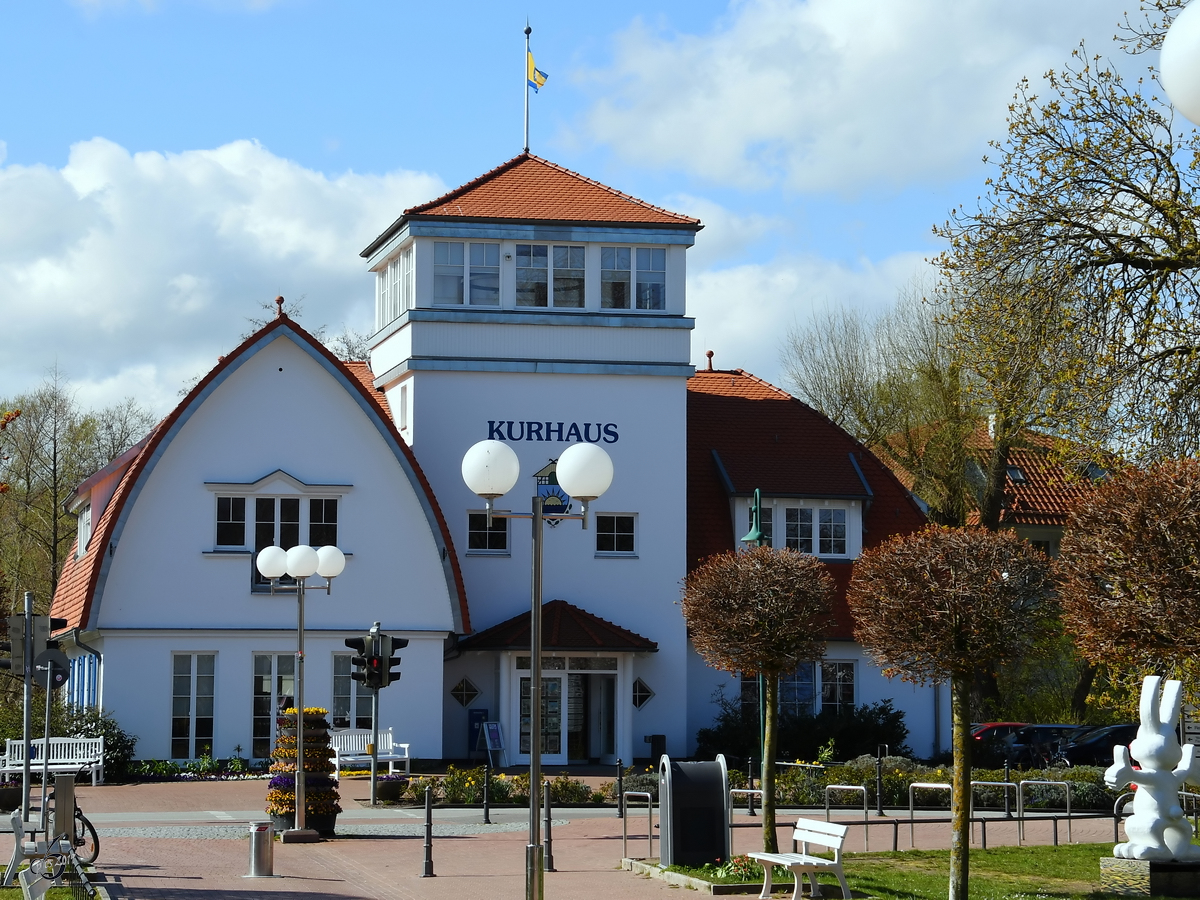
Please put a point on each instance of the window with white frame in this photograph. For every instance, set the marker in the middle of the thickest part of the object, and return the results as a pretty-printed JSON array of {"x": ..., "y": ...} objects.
[
  {"x": 83, "y": 530},
  {"x": 484, "y": 280},
  {"x": 627, "y": 273},
  {"x": 351, "y": 699},
  {"x": 837, "y": 686},
  {"x": 273, "y": 691},
  {"x": 615, "y": 535},
  {"x": 487, "y": 539},
  {"x": 796, "y": 693},
  {"x": 821, "y": 531},
  {"x": 394, "y": 288},
  {"x": 466, "y": 273},
  {"x": 448, "y": 272},
  {"x": 550, "y": 275},
  {"x": 256, "y": 522},
  {"x": 193, "y": 684}
]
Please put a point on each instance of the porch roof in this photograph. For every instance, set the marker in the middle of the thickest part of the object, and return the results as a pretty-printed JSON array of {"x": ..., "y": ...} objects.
[{"x": 564, "y": 627}]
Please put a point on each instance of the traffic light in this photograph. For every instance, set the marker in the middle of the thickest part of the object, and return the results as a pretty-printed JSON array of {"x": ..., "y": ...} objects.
[
  {"x": 363, "y": 646},
  {"x": 42, "y": 627},
  {"x": 387, "y": 646},
  {"x": 15, "y": 644}
]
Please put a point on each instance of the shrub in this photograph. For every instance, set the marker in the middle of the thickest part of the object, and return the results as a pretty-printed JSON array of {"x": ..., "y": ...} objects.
[
  {"x": 463, "y": 785},
  {"x": 567, "y": 790},
  {"x": 119, "y": 744}
]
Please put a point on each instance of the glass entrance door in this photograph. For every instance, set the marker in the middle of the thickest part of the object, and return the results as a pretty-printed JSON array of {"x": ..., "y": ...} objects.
[{"x": 553, "y": 745}]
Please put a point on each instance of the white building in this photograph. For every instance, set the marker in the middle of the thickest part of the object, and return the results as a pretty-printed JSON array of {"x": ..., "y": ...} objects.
[{"x": 532, "y": 305}]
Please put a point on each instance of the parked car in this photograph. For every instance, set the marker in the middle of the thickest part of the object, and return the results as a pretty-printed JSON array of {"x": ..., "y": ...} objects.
[
  {"x": 1036, "y": 745},
  {"x": 1096, "y": 747},
  {"x": 991, "y": 731},
  {"x": 988, "y": 741}
]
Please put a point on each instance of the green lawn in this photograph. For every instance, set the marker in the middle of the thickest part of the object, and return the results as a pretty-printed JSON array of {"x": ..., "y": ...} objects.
[{"x": 1067, "y": 872}]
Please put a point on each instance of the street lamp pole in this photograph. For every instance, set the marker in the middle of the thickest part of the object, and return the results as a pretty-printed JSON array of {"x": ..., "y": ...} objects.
[
  {"x": 301, "y": 563},
  {"x": 584, "y": 471}
]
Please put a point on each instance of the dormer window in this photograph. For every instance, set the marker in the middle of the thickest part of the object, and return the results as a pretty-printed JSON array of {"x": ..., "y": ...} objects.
[
  {"x": 84, "y": 530},
  {"x": 394, "y": 288}
]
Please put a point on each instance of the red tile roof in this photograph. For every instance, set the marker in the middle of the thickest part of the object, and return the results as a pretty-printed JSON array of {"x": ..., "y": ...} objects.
[
  {"x": 744, "y": 433},
  {"x": 1047, "y": 494},
  {"x": 73, "y": 600},
  {"x": 529, "y": 188},
  {"x": 564, "y": 627}
]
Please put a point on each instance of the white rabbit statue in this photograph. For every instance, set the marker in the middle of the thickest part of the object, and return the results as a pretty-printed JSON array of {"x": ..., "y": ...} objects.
[{"x": 1157, "y": 829}]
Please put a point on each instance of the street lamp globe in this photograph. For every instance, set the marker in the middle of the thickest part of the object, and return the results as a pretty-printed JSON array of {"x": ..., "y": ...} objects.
[
  {"x": 490, "y": 469},
  {"x": 301, "y": 561},
  {"x": 584, "y": 471},
  {"x": 272, "y": 562},
  {"x": 330, "y": 561},
  {"x": 1179, "y": 62}
]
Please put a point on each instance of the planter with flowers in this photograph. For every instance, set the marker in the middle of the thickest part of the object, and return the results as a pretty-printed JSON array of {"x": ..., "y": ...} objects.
[{"x": 320, "y": 790}]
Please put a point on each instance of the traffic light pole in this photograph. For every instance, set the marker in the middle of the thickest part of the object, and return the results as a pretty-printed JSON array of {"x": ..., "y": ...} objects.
[
  {"x": 374, "y": 744},
  {"x": 27, "y": 723}
]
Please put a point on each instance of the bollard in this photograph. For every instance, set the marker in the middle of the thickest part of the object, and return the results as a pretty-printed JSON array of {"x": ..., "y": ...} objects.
[
  {"x": 1007, "y": 801},
  {"x": 549, "y": 841},
  {"x": 750, "y": 779},
  {"x": 487, "y": 792},
  {"x": 880, "y": 751},
  {"x": 428, "y": 873},
  {"x": 620, "y": 790},
  {"x": 262, "y": 850}
]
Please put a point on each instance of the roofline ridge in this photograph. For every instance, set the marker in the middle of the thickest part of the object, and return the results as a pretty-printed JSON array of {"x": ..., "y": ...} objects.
[
  {"x": 613, "y": 190},
  {"x": 477, "y": 180}
]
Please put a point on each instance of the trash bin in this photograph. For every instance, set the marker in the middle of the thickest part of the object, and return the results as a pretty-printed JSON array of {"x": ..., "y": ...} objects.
[
  {"x": 693, "y": 800},
  {"x": 262, "y": 850}
]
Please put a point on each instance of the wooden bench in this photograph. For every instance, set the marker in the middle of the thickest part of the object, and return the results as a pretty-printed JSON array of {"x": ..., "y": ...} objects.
[
  {"x": 350, "y": 749},
  {"x": 68, "y": 755},
  {"x": 808, "y": 831}
]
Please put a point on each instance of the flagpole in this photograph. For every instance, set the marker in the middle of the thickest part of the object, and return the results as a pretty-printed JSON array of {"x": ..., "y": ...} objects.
[{"x": 528, "y": 31}]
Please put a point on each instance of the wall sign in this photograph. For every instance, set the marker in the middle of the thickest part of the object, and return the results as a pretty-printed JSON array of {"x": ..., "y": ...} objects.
[{"x": 560, "y": 432}]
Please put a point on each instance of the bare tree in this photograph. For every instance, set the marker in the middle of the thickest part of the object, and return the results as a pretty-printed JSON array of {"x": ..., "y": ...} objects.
[
  {"x": 764, "y": 612},
  {"x": 929, "y": 606}
]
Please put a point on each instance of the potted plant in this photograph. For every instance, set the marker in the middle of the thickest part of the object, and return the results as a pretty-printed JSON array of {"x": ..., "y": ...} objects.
[
  {"x": 321, "y": 804},
  {"x": 389, "y": 788}
]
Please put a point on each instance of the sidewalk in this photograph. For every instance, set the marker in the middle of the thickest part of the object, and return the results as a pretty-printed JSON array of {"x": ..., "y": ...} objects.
[{"x": 183, "y": 841}]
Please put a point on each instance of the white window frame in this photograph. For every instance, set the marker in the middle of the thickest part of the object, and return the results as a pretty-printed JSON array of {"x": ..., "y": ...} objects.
[
  {"x": 823, "y": 670},
  {"x": 774, "y": 524},
  {"x": 496, "y": 526},
  {"x": 276, "y": 683},
  {"x": 83, "y": 530},
  {"x": 358, "y": 700},
  {"x": 395, "y": 287},
  {"x": 616, "y": 554},
  {"x": 636, "y": 280},
  {"x": 472, "y": 269},
  {"x": 194, "y": 696},
  {"x": 551, "y": 248}
]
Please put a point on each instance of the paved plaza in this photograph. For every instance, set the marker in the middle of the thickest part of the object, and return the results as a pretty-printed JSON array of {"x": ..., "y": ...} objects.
[{"x": 182, "y": 841}]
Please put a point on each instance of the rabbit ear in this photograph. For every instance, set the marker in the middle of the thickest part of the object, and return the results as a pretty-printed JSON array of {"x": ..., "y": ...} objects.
[
  {"x": 1172, "y": 700},
  {"x": 1149, "y": 704}
]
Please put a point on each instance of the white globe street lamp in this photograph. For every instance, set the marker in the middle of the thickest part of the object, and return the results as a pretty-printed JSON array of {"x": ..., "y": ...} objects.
[
  {"x": 1179, "y": 62},
  {"x": 301, "y": 563},
  {"x": 584, "y": 471}
]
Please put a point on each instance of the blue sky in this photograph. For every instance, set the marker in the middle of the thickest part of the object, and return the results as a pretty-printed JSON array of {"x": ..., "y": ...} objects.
[{"x": 167, "y": 166}]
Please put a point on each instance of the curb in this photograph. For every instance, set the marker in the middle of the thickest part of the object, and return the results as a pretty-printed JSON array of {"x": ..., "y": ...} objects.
[{"x": 651, "y": 870}]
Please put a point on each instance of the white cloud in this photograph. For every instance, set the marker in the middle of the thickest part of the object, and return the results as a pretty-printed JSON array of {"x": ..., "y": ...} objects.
[
  {"x": 833, "y": 95},
  {"x": 135, "y": 271},
  {"x": 743, "y": 313}
]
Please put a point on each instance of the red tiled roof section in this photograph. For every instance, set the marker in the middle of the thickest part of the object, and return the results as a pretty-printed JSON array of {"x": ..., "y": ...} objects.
[
  {"x": 529, "y": 187},
  {"x": 745, "y": 433},
  {"x": 362, "y": 372},
  {"x": 564, "y": 627}
]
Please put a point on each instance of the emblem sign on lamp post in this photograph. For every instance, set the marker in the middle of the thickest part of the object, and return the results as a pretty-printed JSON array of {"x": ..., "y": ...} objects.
[
  {"x": 1179, "y": 62},
  {"x": 301, "y": 563},
  {"x": 584, "y": 471}
]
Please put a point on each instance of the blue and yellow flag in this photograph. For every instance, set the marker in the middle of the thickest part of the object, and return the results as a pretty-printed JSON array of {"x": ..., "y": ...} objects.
[{"x": 535, "y": 75}]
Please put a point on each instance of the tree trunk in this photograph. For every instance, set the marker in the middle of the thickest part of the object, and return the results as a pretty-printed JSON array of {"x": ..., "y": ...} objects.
[
  {"x": 1083, "y": 687},
  {"x": 770, "y": 739},
  {"x": 960, "y": 794},
  {"x": 991, "y": 504}
]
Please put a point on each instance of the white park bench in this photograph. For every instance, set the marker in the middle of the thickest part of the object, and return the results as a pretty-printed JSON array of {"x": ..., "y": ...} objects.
[
  {"x": 350, "y": 749},
  {"x": 67, "y": 755},
  {"x": 808, "y": 831}
]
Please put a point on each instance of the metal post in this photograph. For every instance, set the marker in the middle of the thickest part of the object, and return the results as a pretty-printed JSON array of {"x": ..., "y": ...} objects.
[
  {"x": 298, "y": 824},
  {"x": 46, "y": 749},
  {"x": 880, "y": 749},
  {"x": 534, "y": 859},
  {"x": 549, "y": 840},
  {"x": 64, "y": 804},
  {"x": 428, "y": 871},
  {"x": 374, "y": 745},
  {"x": 1007, "y": 801},
  {"x": 262, "y": 850},
  {"x": 487, "y": 792},
  {"x": 750, "y": 794},
  {"x": 620, "y": 790},
  {"x": 27, "y": 719}
]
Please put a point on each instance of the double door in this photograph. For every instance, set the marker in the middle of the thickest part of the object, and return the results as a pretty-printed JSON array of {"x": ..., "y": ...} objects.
[{"x": 578, "y": 718}]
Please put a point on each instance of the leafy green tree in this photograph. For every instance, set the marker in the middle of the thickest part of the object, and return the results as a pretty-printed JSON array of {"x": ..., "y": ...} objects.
[
  {"x": 928, "y": 606},
  {"x": 762, "y": 611}
]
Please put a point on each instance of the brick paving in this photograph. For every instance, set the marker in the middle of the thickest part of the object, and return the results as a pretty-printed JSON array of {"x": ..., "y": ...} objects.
[{"x": 200, "y": 848}]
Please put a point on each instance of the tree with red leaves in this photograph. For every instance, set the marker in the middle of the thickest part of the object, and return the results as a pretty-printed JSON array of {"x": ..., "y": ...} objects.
[
  {"x": 762, "y": 611},
  {"x": 928, "y": 606}
]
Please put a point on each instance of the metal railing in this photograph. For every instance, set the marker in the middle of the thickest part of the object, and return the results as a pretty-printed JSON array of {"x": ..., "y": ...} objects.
[
  {"x": 857, "y": 789},
  {"x": 750, "y": 793},
  {"x": 1066, "y": 785},
  {"x": 648, "y": 797}
]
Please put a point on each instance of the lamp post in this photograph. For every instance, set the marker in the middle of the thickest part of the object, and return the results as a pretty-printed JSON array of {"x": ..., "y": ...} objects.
[
  {"x": 301, "y": 563},
  {"x": 584, "y": 471}
]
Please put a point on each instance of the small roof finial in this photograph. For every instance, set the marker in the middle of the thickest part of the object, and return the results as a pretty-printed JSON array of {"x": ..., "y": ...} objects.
[
  {"x": 279, "y": 307},
  {"x": 709, "y": 354}
]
